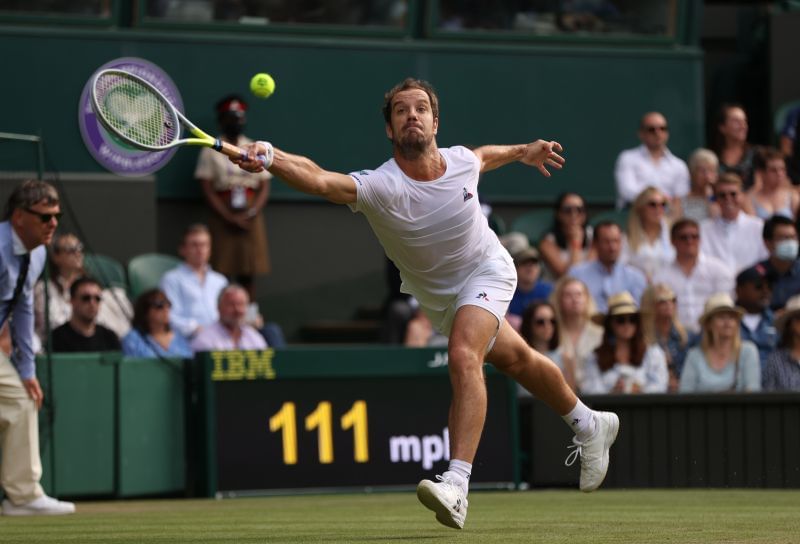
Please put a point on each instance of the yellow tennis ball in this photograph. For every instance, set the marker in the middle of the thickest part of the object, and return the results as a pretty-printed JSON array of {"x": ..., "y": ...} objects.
[{"x": 262, "y": 85}]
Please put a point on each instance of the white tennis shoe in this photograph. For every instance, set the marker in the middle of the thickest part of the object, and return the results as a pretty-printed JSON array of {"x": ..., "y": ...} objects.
[
  {"x": 446, "y": 498},
  {"x": 594, "y": 451},
  {"x": 42, "y": 506}
]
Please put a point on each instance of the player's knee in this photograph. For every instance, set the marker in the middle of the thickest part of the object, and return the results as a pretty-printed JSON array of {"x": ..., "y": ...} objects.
[{"x": 461, "y": 358}]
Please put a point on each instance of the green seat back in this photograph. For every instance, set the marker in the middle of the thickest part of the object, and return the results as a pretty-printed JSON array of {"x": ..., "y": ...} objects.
[{"x": 145, "y": 271}]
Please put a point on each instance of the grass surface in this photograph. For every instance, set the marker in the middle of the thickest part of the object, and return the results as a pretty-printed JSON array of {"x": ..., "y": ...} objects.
[{"x": 613, "y": 516}]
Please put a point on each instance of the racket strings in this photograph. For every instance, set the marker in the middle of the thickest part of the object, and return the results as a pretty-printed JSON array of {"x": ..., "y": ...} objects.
[{"x": 135, "y": 111}]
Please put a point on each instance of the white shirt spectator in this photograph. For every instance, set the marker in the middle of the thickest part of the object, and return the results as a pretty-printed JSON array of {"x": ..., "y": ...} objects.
[
  {"x": 635, "y": 171},
  {"x": 194, "y": 304},
  {"x": 709, "y": 276},
  {"x": 651, "y": 376},
  {"x": 215, "y": 337},
  {"x": 736, "y": 243}
]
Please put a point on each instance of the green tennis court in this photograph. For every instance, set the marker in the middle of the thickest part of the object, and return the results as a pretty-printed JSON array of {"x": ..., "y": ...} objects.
[{"x": 614, "y": 516}]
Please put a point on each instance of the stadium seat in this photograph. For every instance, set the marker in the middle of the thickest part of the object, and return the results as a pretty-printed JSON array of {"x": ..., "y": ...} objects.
[
  {"x": 108, "y": 271},
  {"x": 145, "y": 271},
  {"x": 533, "y": 224},
  {"x": 620, "y": 217}
]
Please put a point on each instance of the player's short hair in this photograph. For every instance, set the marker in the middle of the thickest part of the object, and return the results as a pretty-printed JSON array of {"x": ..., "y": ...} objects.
[
  {"x": 681, "y": 224},
  {"x": 410, "y": 83},
  {"x": 29, "y": 193},
  {"x": 768, "y": 233},
  {"x": 83, "y": 280}
]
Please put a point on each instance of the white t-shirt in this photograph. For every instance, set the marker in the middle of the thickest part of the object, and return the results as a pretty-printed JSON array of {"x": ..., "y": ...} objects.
[{"x": 434, "y": 231}]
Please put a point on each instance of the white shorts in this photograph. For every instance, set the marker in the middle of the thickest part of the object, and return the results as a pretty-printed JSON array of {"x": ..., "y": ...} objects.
[{"x": 490, "y": 287}]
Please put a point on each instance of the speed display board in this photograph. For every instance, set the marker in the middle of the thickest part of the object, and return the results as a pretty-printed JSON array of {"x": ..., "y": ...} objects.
[{"x": 341, "y": 418}]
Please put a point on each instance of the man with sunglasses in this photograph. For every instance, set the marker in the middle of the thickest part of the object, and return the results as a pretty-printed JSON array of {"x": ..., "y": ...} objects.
[
  {"x": 693, "y": 276},
  {"x": 650, "y": 164},
  {"x": 82, "y": 333},
  {"x": 735, "y": 238},
  {"x": 31, "y": 218}
]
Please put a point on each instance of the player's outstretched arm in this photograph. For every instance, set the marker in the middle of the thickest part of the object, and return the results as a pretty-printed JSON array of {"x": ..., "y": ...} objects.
[
  {"x": 540, "y": 154},
  {"x": 301, "y": 173}
]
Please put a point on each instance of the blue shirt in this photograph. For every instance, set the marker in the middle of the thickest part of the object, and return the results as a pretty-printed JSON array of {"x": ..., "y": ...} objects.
[
  {"x": 136, "y": 345},
  {"x": 11, "y": 250},
  {"x": 784, "y": 286},
  {"x": 194, "y": 304},
  {"x": 765, "y": 337},
  {"x": 602, "y": 283},
  {"x": 522, "y": 299}
]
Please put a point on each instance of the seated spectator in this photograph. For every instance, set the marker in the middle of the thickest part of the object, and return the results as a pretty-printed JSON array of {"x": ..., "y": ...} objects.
[
  {"x": 652, "y": 163},
  {"x": 624, "y": 362},
  {"x": 82, "y": 332},
  {"x": 774, "y": 195},
  {"x": 569, "y": 242},
  {"x": 757, "y": 324},
  {"x": 648, "y": 247},
  {"x": 734, "y": 237},
  {"x": 607, "y": 274},
  {"x": 193, "y": 287},
  {"x": 693, "y": 276},
  {"x": 660, "y": 326},
  {"x": 782, "y": 266},
  {"x": 151, "y": 335},
  {"x": 66, "y": 265},
  {"x": 530, "y": 287},
  {"x": 722, "y": 361},
  {"x": 540, "y": 330},
  {"x": 782, "y": 371},
  {"x": 698, "y": 204},
  {"x": 735, "y": 154},
  {"x": 578, "y": 336},
  {"x": 230, "y": 332}
]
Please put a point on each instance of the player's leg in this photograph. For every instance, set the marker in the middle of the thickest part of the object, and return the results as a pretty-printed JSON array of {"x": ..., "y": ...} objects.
[
  {"x": 472, "y": 330},
  {"x": 595, "y": 431}
]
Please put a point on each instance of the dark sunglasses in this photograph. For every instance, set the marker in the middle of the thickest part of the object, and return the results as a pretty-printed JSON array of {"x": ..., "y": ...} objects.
[
  {"x": 726, "y": 194},
  {"x": 540, "y": 322},
  {"x": 88, "y": 298},
  {"x": 573, "y": 209},
  {"x": 44, "y": 217},
  {"x": 77, "y": 248},
  {"x": 688, "y": 237},
  {"x": 623, "y": 319},
  {"x": 657, "y": 204},
  {"x": 652, "y": 129},
  {"x": 161, "y": 304}
]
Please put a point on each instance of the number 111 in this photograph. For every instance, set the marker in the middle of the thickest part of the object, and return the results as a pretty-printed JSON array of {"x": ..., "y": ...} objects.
[{"x": 321, "y": 419}]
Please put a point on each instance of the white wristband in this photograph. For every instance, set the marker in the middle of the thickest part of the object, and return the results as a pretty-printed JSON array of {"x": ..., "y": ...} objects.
[{"x": 269, "y": 154}]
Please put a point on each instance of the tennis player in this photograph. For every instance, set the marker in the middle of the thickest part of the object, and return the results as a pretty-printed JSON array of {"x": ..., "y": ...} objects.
[{"x": 423, "y": 206}]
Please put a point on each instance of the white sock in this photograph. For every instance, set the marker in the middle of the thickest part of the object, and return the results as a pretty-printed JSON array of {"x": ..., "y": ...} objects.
[
  {"x": 460, "y": 471},
  {"x": 581, "y": 421}
]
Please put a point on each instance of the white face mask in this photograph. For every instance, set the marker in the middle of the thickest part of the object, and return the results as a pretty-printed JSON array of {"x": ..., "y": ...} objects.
[{"x": 786, "y": 250}]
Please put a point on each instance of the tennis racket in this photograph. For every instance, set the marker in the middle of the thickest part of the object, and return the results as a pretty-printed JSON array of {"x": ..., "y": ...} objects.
[{"x": 139, "y": 114}]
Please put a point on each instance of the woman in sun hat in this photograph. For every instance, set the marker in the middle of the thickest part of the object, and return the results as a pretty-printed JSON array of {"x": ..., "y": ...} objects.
[
  {"x": 723, "y": 361},
  {"x": 624, "y": 362},
  {"x": 782, "y": 370}
]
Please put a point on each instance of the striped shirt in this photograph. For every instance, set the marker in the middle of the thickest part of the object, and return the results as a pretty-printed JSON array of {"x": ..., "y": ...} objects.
[{"x": 782, "y": 372}]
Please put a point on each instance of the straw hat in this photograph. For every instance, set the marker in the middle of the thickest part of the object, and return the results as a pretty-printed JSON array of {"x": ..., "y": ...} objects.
[
  {"x": 718, "y": 303},
  {"x": 792, "y": 309},
  {"x": 618, "y": 304}
]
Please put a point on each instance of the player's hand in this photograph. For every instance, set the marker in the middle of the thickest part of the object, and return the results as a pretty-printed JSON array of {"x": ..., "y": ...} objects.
[
  {"x": 252, "y": 164},
  {"x": 34, "y": 391},
  {"x": 542, "y": 154}
]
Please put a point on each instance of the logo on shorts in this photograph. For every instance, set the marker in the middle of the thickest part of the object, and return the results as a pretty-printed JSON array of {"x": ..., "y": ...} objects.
[
  {"x": 467, "y": 194},
  {"x": 483, "y": 295}
]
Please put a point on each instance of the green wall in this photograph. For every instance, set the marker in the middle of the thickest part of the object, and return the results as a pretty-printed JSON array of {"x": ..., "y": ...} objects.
[{"x": 329, "y": 92}]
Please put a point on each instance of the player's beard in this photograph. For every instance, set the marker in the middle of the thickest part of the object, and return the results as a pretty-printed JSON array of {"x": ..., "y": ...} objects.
[{"x": 412, "y": 146}]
